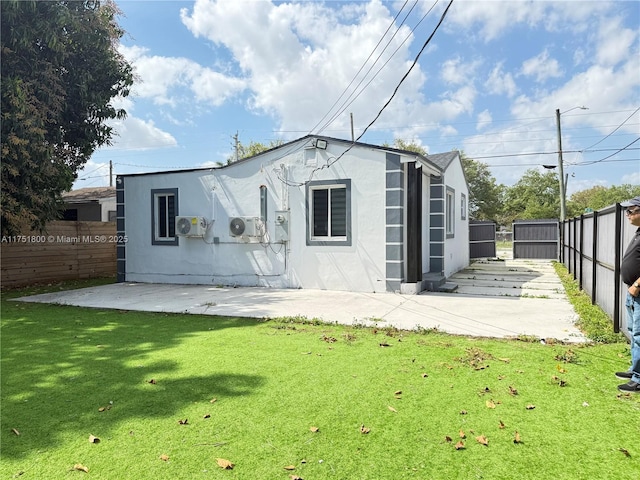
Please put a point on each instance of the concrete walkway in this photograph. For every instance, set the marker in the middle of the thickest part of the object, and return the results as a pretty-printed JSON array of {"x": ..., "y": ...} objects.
[{"x": 509, "y": 299}]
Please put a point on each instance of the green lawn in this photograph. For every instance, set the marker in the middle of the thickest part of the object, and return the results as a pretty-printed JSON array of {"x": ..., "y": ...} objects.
[{"x": 168, "y": 395}]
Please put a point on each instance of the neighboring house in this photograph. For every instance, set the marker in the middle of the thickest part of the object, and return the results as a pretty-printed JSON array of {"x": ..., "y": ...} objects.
[
  {"x": 91, "y": 204},
  {"x": 318, "y": 212}
]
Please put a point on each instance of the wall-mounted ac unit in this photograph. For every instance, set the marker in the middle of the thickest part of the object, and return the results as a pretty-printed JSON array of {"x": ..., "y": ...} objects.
[
  {"x": 190, "y": 226},
  {"x": 246, "y": 227}
]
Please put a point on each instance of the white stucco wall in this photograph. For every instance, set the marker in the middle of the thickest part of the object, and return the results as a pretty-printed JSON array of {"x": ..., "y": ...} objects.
[
  {"x": 456, "y": 249},
  {"x": 221, "y": 194}
]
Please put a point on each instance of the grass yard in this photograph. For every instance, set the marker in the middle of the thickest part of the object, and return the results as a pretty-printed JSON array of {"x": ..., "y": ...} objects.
[{"x": 169, "y": 395}]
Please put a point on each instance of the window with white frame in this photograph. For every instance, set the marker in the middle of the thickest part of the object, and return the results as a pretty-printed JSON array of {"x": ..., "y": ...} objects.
[
  {"x": 329, "y": 212},
  {"x": 164, "y": 208},
  {"x": 451, "y": 206}
]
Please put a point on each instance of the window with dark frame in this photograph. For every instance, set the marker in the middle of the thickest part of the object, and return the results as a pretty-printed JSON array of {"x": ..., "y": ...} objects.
[
  {"x": 329, "y": 213},
  {"x": 164, "y": 204}
]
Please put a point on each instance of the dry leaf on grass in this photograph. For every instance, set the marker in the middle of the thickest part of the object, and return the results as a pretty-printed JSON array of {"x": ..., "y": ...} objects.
[
  {"x": 490, "y": 404},
  {"x": 501, "y": 424},
  {"x": 152, "y": 381},
  {"x": 15, "y": 431},
  {"x": 213, "y": 400},
  {"x": 459, "y": 445},
  {"x": 295, "y": 477},
  {"x": 512, "y": 391},
  {"x": 314, "y": 429},
  {"x": 81, "y": 468},
  {"x": 93, "y": 439},
  {"x": 385, "y": 344},
  {"x": 290, "y": 467},
  {"x": 516, "y": 438},
  {"x": 463, "y": 412},
  {"x": 425, "y": 375},
  {"x": 207, "y": 416},
  {"x": 392, "y": 409},
  {"x": 183, "y": 422},
  {"x": 483, "y": 440},
  {"x": 530, "y": 406},
  {"x": 364, "y": 429},
  {"x": 448, "y": 439},
  {"x": 625, "y": 451},
  {"x": 164, "y": 458},
  {"x": 462, "y": 434},
  {"x": 225, "y": 464}
]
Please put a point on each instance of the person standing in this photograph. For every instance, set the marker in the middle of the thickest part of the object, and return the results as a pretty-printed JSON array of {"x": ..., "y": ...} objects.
[{"x": 630, "y": 274}]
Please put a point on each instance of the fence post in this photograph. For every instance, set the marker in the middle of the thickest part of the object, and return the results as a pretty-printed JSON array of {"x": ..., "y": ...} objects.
[
  {"x": 594, "y": 255},
  {"x": 616, "y": 269}
]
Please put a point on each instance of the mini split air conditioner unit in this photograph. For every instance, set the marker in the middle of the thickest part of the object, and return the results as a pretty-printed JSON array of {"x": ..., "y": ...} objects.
[
  {"x": 188, "y": 226},
  {"x": 246, "y": 227}
]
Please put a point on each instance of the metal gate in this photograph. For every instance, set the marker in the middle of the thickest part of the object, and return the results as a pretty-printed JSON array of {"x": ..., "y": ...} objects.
[
  {"x": 482, "y": 239},
  {"x": 536, "y": 239}
]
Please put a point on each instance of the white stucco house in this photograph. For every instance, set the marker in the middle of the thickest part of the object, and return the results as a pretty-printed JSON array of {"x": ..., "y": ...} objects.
[{"x": 317, "y": 212}]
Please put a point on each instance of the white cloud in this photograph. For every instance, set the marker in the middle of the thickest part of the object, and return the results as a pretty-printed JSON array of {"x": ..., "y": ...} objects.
[
  {"x": 492, "y": 19},
  {"x": 614, "y": 41},
  {"x": 160, "y": 78},
  {"x": 484, "y": 120},
  {"x": 455, "y": 72},
  {"x": 299, "y": 58},
  {"x": 137, "y": 134},
  {"x": 632, "y": 178},
  {"x": 541, "y": 67},
  {"x": 501, "y": 83}
]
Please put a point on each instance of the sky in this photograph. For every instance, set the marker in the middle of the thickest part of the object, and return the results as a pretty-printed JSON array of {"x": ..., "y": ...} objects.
[{"x": 483, "y": 77}]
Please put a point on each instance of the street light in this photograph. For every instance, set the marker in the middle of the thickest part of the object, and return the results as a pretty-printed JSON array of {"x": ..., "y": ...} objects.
[{"x": 561, "y": 179}]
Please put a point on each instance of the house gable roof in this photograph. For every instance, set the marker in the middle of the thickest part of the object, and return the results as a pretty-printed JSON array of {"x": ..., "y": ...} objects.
[
  {"x": 443, "y": 160},
  {"x": 310, "y": 141},
  {"x": 89, "y": 194}
]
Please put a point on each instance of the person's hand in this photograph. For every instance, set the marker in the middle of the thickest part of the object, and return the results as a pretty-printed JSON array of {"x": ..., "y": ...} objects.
[{"x": 634, "y": 290}]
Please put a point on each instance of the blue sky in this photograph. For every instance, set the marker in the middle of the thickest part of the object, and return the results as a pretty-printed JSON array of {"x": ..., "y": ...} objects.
[{"x": 488, "y": 83}]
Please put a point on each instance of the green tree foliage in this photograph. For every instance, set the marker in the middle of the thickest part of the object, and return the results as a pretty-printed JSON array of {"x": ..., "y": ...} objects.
[
  {"x": 485, "y": 195},
  {"x": 408, "y": 146},
  {"x": 251, "y": 150},
  {"x": 60, "y": 71},
  {"x": 535, "y": 195},
  {"x": 599, "y": 197}
]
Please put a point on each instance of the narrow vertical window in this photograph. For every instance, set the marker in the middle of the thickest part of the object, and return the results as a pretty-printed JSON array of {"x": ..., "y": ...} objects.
[
  {"x": 164, "y": 208},
  {"x": 263, "y": 203},
  {"x": 450, "y": 212}
]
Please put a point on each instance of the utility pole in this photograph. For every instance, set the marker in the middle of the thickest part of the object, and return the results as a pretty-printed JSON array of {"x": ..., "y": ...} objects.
[
  {"x": 563, "y": 206},
  {"x": 352, "y": 136},
  {"x": 235, "y": 138},
  {"x": 110, "y": 173}
]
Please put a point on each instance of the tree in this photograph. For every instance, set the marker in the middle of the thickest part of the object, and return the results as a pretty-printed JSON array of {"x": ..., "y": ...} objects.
[
  {"x": 485, "y": 195},
  {"x": 60, "y": 71},
  {"x": 251, "y": 150},
  {"x": 408, "y": 146},
  {"x": 599, "y": 197},
  {"x": 534, "y": 196}
]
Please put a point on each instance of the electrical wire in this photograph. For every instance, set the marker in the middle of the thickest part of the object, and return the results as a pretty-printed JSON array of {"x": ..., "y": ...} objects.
[
  {"x": 384, "y": 64},
  {"x": 362, "y": 67},
  {"x": 616, "y": 129}
]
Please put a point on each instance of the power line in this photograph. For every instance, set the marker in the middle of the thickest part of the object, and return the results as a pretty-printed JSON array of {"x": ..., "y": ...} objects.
[
  {"x": 362, "y": 66},
  {"x": 609, "y": 156},
  {"x": 345, "y": 104},
  {"x": 618, "y": 127},
  {"x": 415, "y": 61}
]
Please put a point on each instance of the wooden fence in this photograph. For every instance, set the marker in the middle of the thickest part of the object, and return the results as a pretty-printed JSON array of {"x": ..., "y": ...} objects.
[
  {"x": 65, "y": 251},
  {"x": 592, "y": 248}
]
